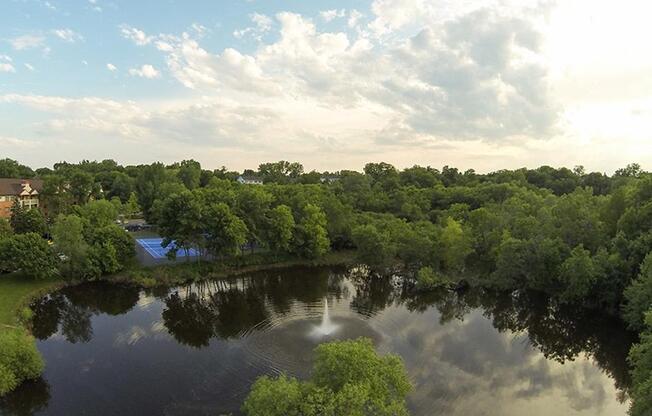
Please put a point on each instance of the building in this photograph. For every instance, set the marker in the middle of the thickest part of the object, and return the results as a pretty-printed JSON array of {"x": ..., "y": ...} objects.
[
  {"x": 25, "y": 191},
  {"x": 329, "y": 179},
  {"x": 250, "y": 180}
]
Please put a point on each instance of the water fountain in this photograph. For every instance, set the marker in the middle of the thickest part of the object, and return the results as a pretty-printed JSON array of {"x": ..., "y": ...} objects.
[{"x": 327, "y": 327}]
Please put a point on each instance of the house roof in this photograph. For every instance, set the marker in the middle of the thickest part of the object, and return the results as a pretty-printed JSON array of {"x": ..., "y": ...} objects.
[
  {"x": 10, "y": 186},
  {"x": 250, "y": 178}
]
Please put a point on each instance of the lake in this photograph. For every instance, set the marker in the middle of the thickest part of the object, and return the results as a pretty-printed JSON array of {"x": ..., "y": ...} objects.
[{"x": 196, "y": 349}]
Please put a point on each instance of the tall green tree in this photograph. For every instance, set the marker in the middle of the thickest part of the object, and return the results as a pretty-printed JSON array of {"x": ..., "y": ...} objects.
[
  {"x": 638, "y": 296},
  {"x": 99, "y": 213},
  {"x": 28, "y": 253},
  {"x": 374, "y": 248},
  {"x": 253, "y": 205},
  {"x": 68, "y": 236},
  {"x": 25, "y": 220},
  {"x": 190, "y": 173},
  {"x": 181, "y": 220},
  {"x": 310, "y": 235},
  {"x": 279, "y": 229},
  {"x": 225, "y": 231}
]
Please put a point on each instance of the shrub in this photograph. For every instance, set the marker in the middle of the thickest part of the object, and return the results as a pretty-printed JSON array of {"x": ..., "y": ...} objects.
[
  {"x": 19, "y": 359},
  {"x": 427, "y": 279}
]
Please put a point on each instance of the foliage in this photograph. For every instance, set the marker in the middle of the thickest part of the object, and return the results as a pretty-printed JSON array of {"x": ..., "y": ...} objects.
[
  {"x": 98, "y": 213},
  {"x": 375, "y": 248},
  {"x": 226, "y": 233},
  {"x": 348, "y": 378},
  {"x": 28, "y": 253},
  {"x": 639, "y": 296},
  {"x": 24, "y": 220},
  {"x": 68, "y": 236},
  {"x": 427, "y": 278},
  {"x": 279, "y": 228},
  {"x": 310, "y": 236},
  {"x": 5, "y": 228},
  {"x": 19, "y": 359},
  {"x": 641, "y": 359},
  {"x": 11, "y": 169}
]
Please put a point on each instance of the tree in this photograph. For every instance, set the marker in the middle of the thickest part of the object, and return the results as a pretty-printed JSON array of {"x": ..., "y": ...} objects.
[
  {"x": 638, "y": 296},
  {"x": 68, "y": 236},
  {"x": 225, "y": 232},
  {"x": 348, "y": 378},
  {"x": 252, "y": 206},
  {"x": 375, "y": 248},
  {"x": 578, "y": 275},
  {"x": 120, "y": 242},
  {"x": 640, "y": 357},
  {"x": 190, "y": 173},
  {"x": 28, "y": 253},
  {"x": 5, "y": 228},
  {"x": 12, "y": 169},
  {"x": 132, "y": 208},
  {"x": 310, "y": 236},
  {"x": 455, "y": 244},
  {"x": 181, "y": 220},
  {"x": 24, "y": 220},
  {"x": 99, "y": 213},
  {"x": 279, "y": 229},
  {"x": 280, "y": 172},
  {"x": 81, "y": 186},
  {"x": 148, "y": 186}
]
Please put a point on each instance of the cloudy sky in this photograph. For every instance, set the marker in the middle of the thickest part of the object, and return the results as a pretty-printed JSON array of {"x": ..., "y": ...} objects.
[{"x": 484, "y": 84}]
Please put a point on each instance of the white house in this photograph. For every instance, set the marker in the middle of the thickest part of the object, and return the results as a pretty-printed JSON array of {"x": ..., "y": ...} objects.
[{"x": 250, "y": 180}]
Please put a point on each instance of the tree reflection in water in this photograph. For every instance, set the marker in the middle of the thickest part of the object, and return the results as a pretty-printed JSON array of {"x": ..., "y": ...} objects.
[
  {"x": 69, "y": 310},
  {"x": 231, "y": 308}
]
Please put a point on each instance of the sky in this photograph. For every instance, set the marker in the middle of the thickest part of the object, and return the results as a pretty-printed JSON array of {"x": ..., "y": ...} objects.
[{"x": 488, "y": 85}]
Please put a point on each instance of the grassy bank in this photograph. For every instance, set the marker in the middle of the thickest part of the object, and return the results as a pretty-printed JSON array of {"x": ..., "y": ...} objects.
[
  {"x": 16, "y": 292},
  {"x": 182, "y": 272}
]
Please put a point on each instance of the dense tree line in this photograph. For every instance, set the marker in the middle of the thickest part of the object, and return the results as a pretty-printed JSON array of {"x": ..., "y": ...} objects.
[{"x": 579, "y": 237}]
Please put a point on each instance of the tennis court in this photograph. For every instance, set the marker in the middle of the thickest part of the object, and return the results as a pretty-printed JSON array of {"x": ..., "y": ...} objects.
[{"x": 154, "y": 249}]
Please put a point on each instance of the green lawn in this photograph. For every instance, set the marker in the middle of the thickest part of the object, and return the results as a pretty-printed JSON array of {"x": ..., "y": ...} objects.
[{"x": 15, "y": 291}]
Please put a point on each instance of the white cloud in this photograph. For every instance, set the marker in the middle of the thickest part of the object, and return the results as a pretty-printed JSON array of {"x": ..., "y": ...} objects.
[
  {"x": 68, "y": 35},
  {"x": 135, "y": 35},
  {"x": 110, "y": 67},
  {"x": 262, "y": 25},
  {"x": 29, "y": 67},
  {"x": 145, "y": 71},
  {"x": 27, "y": 42},
  {"x": 457, "y": 80},
  {"x": 7, "y": 67},
  {"x": 354, "y": 18},
  {"x": 49, "y": 5},
  {"x": 330, "y": 15}
]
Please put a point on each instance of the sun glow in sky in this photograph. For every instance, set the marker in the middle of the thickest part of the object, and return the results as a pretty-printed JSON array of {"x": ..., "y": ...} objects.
[{"x": 333, "y": 84}]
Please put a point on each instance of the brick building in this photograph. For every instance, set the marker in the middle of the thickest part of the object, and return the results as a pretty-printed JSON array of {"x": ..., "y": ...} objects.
[{"x": 25, "y": 191}]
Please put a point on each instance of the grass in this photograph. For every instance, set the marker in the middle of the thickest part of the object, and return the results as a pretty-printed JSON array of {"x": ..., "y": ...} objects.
[{"x": 16, "y": 292}]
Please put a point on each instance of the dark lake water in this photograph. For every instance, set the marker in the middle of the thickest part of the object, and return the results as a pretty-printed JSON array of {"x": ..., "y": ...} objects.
[{"x": 196, "y": 349}]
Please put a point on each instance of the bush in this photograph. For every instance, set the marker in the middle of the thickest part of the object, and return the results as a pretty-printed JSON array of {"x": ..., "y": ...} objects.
[
  {"x": 348, "y": 378},
  {"x": 427, "y": 279},
  {"x": 19, "y": 360}
]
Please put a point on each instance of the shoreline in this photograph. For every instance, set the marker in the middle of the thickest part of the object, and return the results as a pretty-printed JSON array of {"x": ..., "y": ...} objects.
[{"x": 165, "y": 275}]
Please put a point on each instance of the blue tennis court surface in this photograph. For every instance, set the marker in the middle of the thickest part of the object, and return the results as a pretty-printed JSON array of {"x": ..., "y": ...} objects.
[{"x": 154, "y": 249}]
